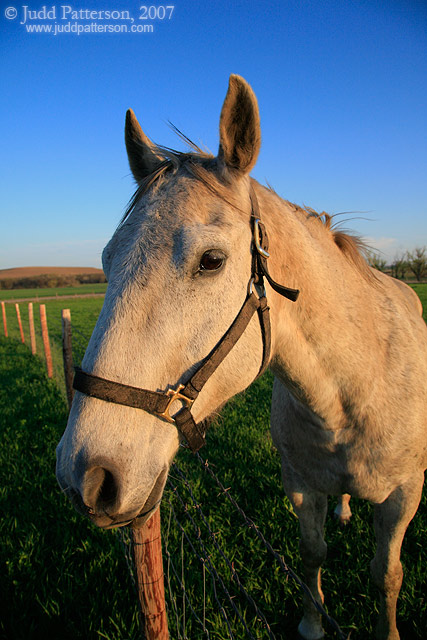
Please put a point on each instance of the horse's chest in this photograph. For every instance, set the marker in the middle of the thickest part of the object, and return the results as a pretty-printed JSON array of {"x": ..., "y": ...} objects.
[{"x": 332, "y": 462}]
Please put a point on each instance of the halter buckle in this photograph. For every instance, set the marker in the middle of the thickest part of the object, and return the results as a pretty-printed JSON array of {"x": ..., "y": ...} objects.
[
  {"x": 257, "y": 240},
  {"x": 175, "y": 394},
  {"x": 251, "y": 288}
]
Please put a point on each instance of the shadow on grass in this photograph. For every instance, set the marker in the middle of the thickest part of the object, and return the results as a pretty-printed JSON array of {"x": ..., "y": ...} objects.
[{"x": 60, "y": 576}]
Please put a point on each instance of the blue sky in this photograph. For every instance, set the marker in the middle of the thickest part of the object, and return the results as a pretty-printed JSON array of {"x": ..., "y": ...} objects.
[{"x": 341, "y": 86}]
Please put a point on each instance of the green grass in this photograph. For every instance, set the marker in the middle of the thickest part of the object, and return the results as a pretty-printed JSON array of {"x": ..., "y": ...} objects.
[
  {"x": 33, "y": 294},
  {"x": 63, "y": 578},
  {"x": 240, "y": 451},
  {"x": 84, "y": 314},
  {"x": 421, "y": 291}
]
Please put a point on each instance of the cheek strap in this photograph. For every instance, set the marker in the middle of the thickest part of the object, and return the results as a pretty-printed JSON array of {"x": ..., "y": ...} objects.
[{"x": 160, "y": 403}]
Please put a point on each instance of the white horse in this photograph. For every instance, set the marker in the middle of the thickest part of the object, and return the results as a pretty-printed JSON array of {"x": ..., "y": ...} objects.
[{"x": 349, "y": 401}]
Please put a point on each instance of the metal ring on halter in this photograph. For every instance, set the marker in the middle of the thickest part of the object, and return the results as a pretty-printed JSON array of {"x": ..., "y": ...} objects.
[
  {"x": 160, "y": 403},
  {"x": 251, "y": 287},
  {"x": 257, "y": 241}
]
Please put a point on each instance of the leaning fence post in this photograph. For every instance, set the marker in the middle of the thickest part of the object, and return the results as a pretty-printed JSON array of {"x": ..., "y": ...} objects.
[
  {"x": 3, "y": 308},
  {"x": 147, "y": 554},
  {"x": 67, "y": 354},
  {"x": 18, "y": 315},
  {"x": 46, "y": 344},
  {"x": 32, "y": 332}
]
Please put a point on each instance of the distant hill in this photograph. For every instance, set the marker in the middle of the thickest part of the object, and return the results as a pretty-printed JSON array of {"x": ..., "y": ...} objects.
[
  {"x": 29, "y": 272},
  {"x": 48, "y": 277}
]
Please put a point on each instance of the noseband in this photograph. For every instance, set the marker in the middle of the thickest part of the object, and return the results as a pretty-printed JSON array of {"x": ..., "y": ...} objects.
[{"x": 160, "y": 403}]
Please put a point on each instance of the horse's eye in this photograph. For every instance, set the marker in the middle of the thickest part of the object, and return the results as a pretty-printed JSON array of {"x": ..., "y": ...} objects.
[{"x": 212, "y": 260}]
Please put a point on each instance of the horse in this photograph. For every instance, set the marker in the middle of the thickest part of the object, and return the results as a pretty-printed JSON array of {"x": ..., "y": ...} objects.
[{"x": 212, "y": 278}]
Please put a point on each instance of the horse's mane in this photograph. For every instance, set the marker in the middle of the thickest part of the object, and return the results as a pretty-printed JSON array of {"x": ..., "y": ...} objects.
[
  {"x": 204, "y": 167},
  {"x": 352, "y": 246}
]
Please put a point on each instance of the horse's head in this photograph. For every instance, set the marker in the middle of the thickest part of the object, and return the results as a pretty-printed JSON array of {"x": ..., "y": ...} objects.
[{"x": 178, "y": 268}]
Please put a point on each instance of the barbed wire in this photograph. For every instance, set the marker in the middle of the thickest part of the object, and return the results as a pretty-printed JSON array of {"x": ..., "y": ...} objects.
[
  {"x": 234, "y": 574},
  {"x": 82, "y": 342},
  {"x": 203, "y": 557},
  {"x": 282, "y": 564},
  {"x": 80, "y": 333},
  {"x": 170, "y": 564},
  {"x": 210, "y": 566}
]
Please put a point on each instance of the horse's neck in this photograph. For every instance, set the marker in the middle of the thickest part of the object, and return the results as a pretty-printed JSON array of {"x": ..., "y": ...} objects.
[{"x": 321, "y": 343}]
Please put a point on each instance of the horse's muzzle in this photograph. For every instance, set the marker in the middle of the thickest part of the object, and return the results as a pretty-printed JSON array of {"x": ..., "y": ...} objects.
[{"x": 99, "y": 499}]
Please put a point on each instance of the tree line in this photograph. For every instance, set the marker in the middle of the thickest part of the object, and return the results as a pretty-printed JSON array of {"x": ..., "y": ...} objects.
[
  {"x": 406, "y": 265},
  {"x": 50, "y": 281}
]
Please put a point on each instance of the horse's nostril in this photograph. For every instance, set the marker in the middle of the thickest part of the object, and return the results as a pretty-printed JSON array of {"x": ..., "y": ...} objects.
[
  {"x": 108, "y": 491},
  {"x": 100, "y": 489}
]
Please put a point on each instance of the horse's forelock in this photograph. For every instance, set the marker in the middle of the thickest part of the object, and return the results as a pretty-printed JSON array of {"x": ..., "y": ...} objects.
[{"x": 201, "y": 165}]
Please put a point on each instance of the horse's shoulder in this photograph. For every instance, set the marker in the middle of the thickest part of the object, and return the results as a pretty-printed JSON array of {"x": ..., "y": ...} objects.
[{"x": 400, "y": 292}]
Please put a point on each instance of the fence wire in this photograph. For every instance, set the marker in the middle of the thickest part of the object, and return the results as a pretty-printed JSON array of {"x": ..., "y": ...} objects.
[
  {"x": 206, "y": 558},
  {"x": 205, "y": 586},
  {"x": 241, "y": 612},
  {"x": 241, "y": 617}
]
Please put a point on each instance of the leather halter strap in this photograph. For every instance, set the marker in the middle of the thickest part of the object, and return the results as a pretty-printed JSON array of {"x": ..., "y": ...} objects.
[
  {"x": 260, "y": 256},
  {"x": 160, "y": 403}
]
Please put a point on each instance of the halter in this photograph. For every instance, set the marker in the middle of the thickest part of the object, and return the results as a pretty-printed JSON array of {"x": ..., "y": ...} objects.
[{"x": 160, "y": 403}]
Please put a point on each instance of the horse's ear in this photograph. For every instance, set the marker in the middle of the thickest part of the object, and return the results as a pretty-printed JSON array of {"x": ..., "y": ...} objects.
[
  {"x": 142, "y": 159},
  {"x": 239, "y": 127}
]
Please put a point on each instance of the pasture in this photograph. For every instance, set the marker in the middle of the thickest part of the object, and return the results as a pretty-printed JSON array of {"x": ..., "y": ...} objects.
[
  {"x": 34, "y": 294},
  {"x": 64, "y": 578}
]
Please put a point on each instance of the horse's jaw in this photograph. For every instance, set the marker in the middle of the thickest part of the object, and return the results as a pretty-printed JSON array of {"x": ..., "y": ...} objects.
[{"x": 117, "y": 480}]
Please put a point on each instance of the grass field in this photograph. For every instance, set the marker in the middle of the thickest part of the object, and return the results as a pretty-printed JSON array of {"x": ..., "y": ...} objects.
[
  {"x": 84, "y": 313},
  {"x": 63, "y": 578},
  {"x": 421, "y": 291},
  {"x": 33, "y": 294}
]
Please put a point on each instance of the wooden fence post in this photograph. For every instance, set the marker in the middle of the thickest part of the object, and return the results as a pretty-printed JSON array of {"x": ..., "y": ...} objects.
[
  {"x": 3, "y": 308},
  {"x": 67, "y": 354},
  {"x": 147, "y": 553},
  {"x": 18, "y": 315},
  {"x": 32, "y": 332},
  {"x": 46, "y": 344}
]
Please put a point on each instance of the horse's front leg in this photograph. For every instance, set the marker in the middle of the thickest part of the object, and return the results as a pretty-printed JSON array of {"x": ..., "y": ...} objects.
[
  {"x": 310, "y": 508},
  {"x": 391, "y": 519}
]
